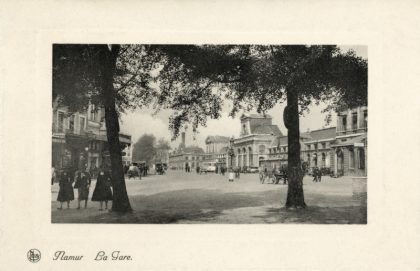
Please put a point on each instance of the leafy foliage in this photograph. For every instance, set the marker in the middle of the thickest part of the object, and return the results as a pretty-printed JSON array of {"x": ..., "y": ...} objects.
[
  {"x": 144, "y": 149},
  {"x": 77, "y": 76},
  {"x": 194, "y": 80}
]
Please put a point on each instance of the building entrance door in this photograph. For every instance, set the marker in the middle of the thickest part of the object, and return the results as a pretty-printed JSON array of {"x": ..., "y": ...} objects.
[{"x": 340, "y": 162}]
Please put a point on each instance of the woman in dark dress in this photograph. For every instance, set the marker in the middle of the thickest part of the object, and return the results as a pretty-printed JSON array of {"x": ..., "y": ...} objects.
[
  {"x": 82, "y": 184},
  {"x": 65, "y": 194},
  {"x": 102, "y": 190}
]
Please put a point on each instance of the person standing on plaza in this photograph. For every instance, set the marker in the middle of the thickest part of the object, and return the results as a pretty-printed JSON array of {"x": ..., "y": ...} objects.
[
  {"x": 102, "y": 192},
  {"x": 65, "y": 193},
  {"x": 53, "y": 175},
  {"x": 238, "y": 173},
  {"x": 83, "y": 181},
  {"x": 319, "y": 175},
  {"x": 315, "y": 174},
  {"x": 231, "y": 174},
  {"x": 284, "y": 173},
  {"x": 146, "y": 169}
]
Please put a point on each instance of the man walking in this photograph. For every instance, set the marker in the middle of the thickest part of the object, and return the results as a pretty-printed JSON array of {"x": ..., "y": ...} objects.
[
  {"x": 319, "y": 175},
  {"x": 315, "y": 174}
]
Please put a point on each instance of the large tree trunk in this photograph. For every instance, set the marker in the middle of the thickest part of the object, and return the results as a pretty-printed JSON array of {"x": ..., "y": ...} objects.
[
  {"x": 295, "y": 196},
  {"x": 121, "y": 202}
]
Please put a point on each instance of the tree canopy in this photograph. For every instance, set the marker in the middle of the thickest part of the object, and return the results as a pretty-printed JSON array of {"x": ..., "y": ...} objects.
[
  {"x": 194, "y": 80},
  {"x": 145, "y": 148}
]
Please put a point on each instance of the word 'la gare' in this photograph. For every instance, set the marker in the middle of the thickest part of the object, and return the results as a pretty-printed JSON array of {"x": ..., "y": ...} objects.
[
  {"x": 61, "y": 255},
  {"x": 114, "y": 256}
]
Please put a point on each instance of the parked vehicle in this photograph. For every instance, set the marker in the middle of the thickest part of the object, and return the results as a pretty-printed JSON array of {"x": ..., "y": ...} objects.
[
  {"x": 208, "y": 167},
  {"x": 252, "y": 170},
  {"x": 326, "y": 171},
  {"x": 159, "y": 168}
]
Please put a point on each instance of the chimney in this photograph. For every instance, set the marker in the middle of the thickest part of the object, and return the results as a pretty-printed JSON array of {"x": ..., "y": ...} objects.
[{"x": 183, "y": 138}]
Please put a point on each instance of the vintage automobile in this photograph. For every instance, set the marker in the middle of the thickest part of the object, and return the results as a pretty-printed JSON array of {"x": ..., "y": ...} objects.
[
  {"x": 159, "y": 168},
  {"x": 208, "y": 167},
  {"x": 252, "y": 170}
]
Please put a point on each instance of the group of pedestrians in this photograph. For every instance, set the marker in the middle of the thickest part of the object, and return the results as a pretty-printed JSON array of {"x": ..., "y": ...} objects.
[
  {"x": 82, "y": 182},
  {"x": 317, "y": 174}
]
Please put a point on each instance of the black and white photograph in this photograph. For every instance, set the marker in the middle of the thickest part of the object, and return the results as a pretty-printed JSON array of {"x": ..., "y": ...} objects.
[{"x": 209, "y": 133}]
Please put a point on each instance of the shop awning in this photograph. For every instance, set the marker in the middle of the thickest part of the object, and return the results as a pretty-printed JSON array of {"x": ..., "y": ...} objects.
[{"x": 123, "y": 139}]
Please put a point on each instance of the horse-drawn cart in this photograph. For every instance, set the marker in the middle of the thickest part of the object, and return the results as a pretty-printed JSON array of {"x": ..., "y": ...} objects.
[{"x": 273, "y": 177}]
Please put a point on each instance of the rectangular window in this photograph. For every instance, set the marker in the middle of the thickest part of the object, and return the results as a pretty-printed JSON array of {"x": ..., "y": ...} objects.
[
  {"x": 82, "y": 121},
  {"x": 365, "y": 118},
  {"x": 71, "y": 123},
  {"x": 324, "y": 145},
  {"x": 93, "y": 113},
  {"x": 344, "y": 123},
  {"x": 354, "y": 121},
  {"x": 60, "y": 122}
]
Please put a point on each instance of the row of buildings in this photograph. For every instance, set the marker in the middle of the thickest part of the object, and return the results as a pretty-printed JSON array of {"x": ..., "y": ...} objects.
[
  {"x": 79, "y": 139},
  {"x": 341, "y": 149}
]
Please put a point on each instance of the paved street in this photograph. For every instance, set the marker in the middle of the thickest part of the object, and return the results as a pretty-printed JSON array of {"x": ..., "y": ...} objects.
[{"x": 179, "y": 197}]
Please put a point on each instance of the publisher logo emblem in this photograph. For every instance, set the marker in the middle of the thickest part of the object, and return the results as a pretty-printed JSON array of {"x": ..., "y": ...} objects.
[{"x": 34, "y": 255}]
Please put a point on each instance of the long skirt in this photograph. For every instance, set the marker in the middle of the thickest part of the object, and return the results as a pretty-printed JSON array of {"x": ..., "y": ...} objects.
[
  {"x": 102, "y": 193},
  {"x": 65, "y": 193},
  {"x": 83, "y": 193}
]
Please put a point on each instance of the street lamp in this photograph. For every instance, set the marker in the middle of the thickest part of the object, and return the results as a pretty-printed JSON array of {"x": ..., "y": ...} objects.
[
  {"x": 87, "y": 156},
  {"x": 231, "y": 152}
]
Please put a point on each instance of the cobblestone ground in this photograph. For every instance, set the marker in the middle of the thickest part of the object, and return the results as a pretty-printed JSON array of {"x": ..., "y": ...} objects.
[{"x": 179, "y": 197}]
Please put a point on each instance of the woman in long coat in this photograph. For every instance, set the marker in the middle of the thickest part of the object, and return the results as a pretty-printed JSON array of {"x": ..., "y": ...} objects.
[
  {"x": 82, "y": 184},
  {"x": 102, "y": 192},
  {"x": 65, "y": 194}
]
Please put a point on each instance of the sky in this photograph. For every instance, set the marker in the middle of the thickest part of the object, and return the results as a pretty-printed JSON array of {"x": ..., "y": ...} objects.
[{"x": 142, "y": 121}]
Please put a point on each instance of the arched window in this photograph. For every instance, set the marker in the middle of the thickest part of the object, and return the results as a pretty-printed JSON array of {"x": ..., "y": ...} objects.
[
  {"x": 244, "y": 157},
  {"x": 251, "y": 157}
]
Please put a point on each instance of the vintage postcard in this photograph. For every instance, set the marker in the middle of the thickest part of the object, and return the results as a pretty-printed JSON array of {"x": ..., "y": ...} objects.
[{"x": 154, "y": 140}]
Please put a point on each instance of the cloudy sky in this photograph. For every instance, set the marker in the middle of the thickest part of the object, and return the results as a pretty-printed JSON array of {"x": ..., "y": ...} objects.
[{"x": 142, "y": 121}]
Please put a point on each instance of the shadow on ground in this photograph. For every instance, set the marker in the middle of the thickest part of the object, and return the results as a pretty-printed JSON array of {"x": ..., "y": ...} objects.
[
  {"x": 211, "y": 206},
  {"x": 316, "y": 215},
  {"x": 173, "y": 206}
]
